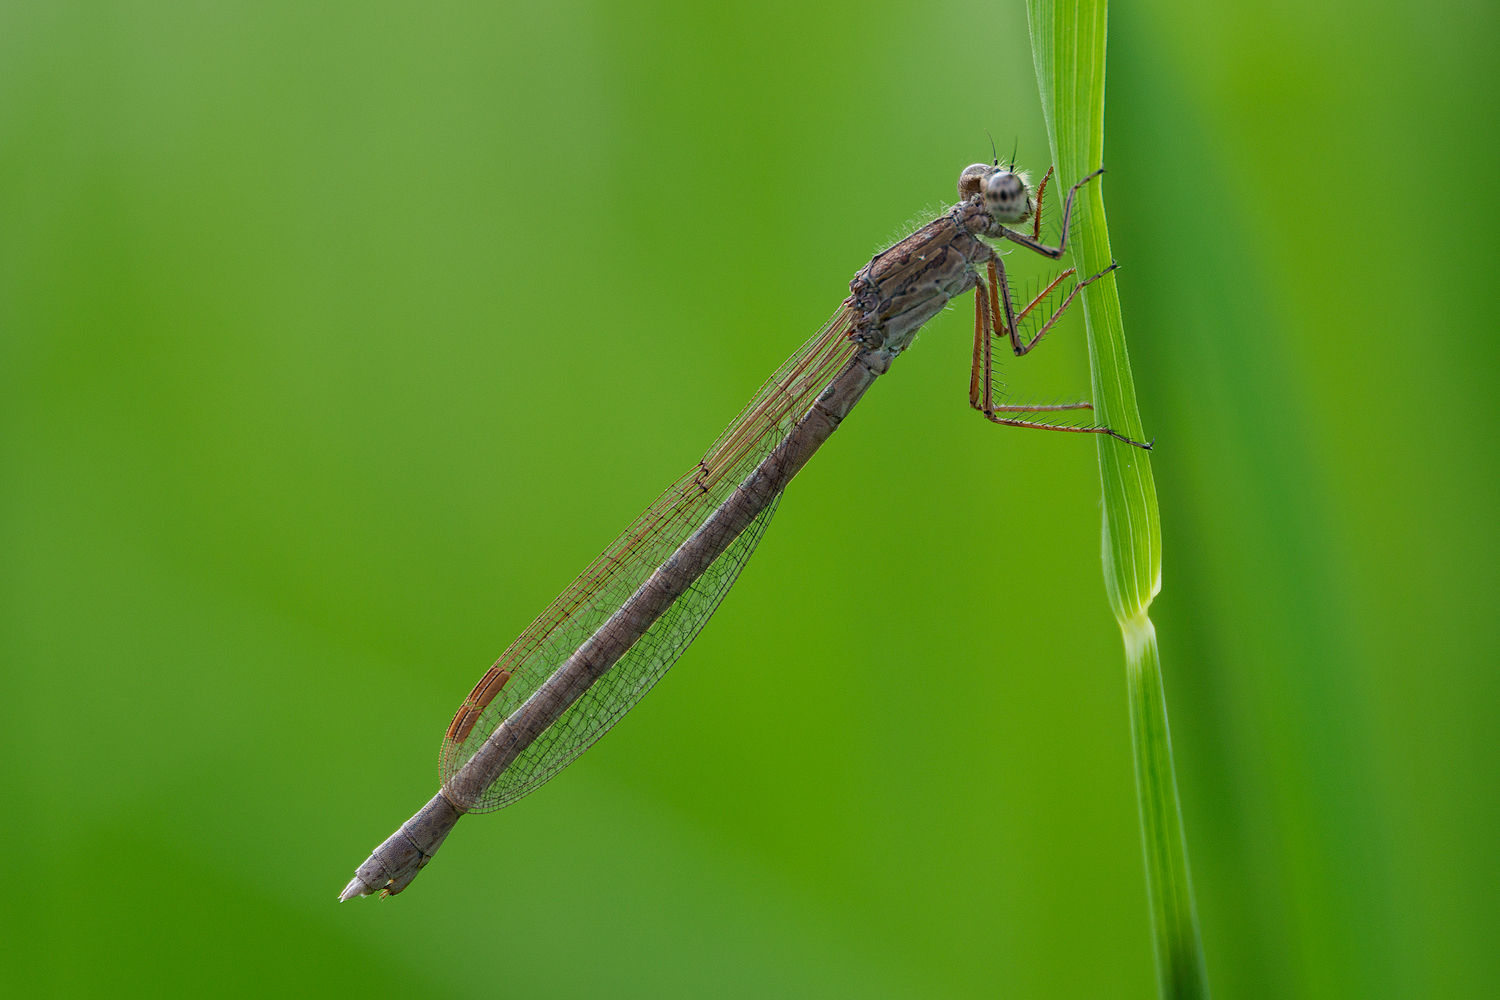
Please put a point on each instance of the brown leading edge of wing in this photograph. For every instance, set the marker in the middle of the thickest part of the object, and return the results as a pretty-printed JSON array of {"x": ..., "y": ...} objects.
[{"x": 478, "y": 700}]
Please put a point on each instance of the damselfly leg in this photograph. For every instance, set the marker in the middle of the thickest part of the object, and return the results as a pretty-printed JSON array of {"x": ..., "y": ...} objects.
[{"x": 995, "y": 314}]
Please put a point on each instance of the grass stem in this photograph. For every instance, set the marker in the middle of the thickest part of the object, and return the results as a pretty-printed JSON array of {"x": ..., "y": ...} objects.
[{"x": 1067, "y": 44}]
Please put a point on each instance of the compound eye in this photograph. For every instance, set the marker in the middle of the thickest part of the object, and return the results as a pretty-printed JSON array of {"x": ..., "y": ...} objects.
[
  {"x": 1005, "y": 197},
  {"x": 972, "y": 179}
]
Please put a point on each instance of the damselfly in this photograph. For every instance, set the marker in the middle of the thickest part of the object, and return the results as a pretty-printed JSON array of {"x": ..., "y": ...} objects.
[{"x": 617, "y": 629}]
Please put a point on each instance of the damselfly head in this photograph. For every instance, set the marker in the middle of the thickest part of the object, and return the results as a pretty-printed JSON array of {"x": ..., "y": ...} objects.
[{"x": 1006, "y": 191}]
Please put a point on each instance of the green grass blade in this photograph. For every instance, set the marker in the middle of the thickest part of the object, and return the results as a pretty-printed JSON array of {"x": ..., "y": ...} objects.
[{"x": 1067, "y": 44}]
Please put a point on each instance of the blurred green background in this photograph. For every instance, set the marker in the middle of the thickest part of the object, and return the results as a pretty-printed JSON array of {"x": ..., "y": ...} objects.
[{"x": 335, "y": 339}]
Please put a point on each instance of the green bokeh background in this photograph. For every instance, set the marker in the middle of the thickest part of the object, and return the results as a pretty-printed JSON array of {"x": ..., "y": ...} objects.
[{"x": 335, "y": 338}]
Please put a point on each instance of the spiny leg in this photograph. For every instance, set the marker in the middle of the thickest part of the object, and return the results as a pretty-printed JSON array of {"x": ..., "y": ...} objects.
[
  {"x": 1035, "y": 243},
  {"x": 986, "y": 315},
  {"x": 981, "y": 317},
  {"x": 1042, "y": 408},
  {"x": 987, "y": 304},
  {"x": 1041, "y": 192},
  {"x": 1015, "y": 337},
  {"x": 981, "y": 362},
  {"x": 995, "y": 276},
  {"x": 1144, "y": 446},
  {"x": 1001, "y": 309},
  {"x": 981, "y": 380},
  {"x": 981, "y": 370},
  {"x": 1002, "y": 305}
]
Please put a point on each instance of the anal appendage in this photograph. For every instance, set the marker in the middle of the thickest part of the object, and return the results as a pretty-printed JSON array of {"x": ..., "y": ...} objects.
[{"x": 392, "y": 866}]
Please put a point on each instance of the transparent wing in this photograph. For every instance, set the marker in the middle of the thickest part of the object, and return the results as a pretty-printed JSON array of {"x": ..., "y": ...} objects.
[{"x": 600, "y": 590}]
